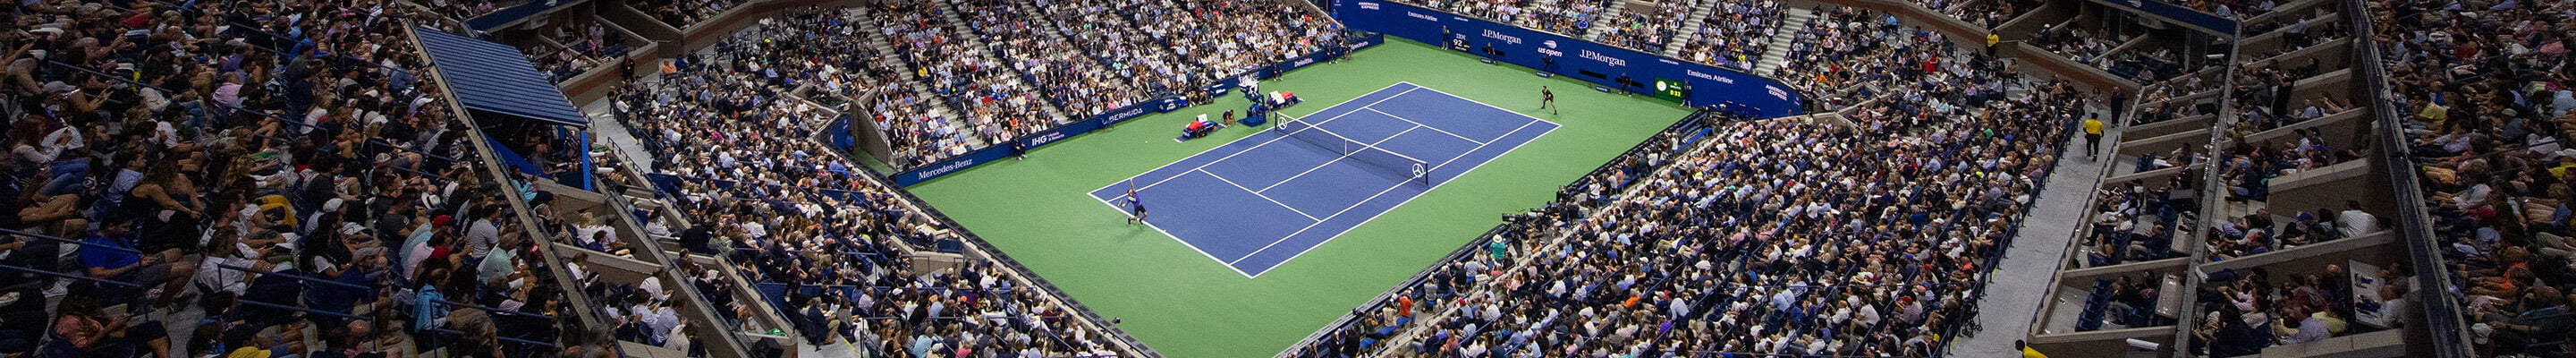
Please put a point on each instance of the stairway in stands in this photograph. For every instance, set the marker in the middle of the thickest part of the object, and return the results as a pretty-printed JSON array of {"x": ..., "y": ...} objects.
[
  {"x": 964, "y": 31},
  {"x": 885, "y": 45},
  {"x": 1777, "y": 52},
  {"x": 1606, "y": 19},
  {"x": 1698, "y": 21}
]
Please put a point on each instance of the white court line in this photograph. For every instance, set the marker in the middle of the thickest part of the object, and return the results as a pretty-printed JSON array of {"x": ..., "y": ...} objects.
[
  {"x": 1168, "y": 234},
  {"x": 1330, "y": 163},
  {"x": 1434, "y": 129},
  {"x": 1281, "y": 239},
  {"x": 1257, "y": 193},
  {"x": 1255, "y": 146},
  {"x": 1480, "y": 146},
  {"x": 1434, "y": 187},
  {"x": 1186, "y": 243},
  {"x": 1495, "y": 107},
  {"x": 1524, "y": 125}
]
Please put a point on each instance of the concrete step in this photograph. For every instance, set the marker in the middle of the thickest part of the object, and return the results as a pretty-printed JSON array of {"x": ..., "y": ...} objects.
[
  {"x": 884, "y": 45},
  {"x": 975, "y": 42},
  {"x": 1777, "y": 51},
  {"x": 1607, "y": 18},
  {"x": 1698, "y": 21}
]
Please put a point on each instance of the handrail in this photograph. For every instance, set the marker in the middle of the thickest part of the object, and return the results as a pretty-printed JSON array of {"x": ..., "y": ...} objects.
[
  {"x": 489, "y": 309},
  {"x": 1471, "y": 248},
  {"x": 504, "y": 339},
  {"x": 2441, "y": 310},
  {"x": 82, "y": 243},
  {"x": 1004, "y": 260},
  {"x": 306, "y": 310},
  {"x": 66, "y": 275},
  {"x": 294, "y": 276}
]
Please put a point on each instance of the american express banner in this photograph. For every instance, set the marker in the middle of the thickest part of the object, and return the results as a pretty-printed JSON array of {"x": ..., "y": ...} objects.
[{"x": 1593, "y": 62}]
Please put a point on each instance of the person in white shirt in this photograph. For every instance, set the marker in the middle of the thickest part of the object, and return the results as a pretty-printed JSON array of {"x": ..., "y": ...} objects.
[{"x": 2354, "y": 222}]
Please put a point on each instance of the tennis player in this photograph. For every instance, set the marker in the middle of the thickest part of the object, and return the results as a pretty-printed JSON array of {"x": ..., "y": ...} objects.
[
  {"x": 1135, "y": 206},
  {"x": 1547, "y": 100}
]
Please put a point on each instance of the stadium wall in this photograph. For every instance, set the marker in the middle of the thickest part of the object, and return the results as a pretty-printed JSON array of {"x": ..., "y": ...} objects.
[
  {"x": 1592, "y": 62},
  {"x": 1113, "y": 117}
]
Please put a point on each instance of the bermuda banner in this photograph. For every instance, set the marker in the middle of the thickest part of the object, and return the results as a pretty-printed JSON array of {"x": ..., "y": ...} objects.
[
  {"x": 2177, "y": 13},
  {"x": 1597, "y": 63},
  {"x": 1104, "y": 120}
]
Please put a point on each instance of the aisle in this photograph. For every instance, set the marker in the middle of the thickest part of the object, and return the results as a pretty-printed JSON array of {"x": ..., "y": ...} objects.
[{"x": 2029, "y": 269}]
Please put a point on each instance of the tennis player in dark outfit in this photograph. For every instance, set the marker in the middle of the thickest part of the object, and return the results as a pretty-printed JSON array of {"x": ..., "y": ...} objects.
[
  {"x": 1547, "y": 100},
  {"x": 1137, "y": 206}
]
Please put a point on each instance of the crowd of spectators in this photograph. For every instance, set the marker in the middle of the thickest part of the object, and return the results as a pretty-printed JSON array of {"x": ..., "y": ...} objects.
[
  {"x": 2487, "y": 108},
  {"x": 1783, "y": 237},
  {"x": 993, "y": 104},
  {"x": 463, "y": 9},
  {"x": 1103, "y": 29},
  {"x": 1736, "y": 33},
  {"x": 1571, "y": 17},
  {"x": 1991, "y": 14},
  {"x": 1065, "y": 73},
  {"x": 682, "y": 13},
  {"x": 1648, "y": 31},
  {"x": 2139, "y": 221},
  {"x": 845, "y": 252},
  {"x": 2234, "y": 9},
  {"x": 2076, "y": 42},
  {"x": 806, "y": 220},
  {"x": 1501, "y": 11},
  {"x": 574, "y": 52},
  {"x": 1234, "y": 37},
  {"x": 2248, "y": 170},
  {"x": 1844, "y": 47},
  {"x": 2250, "y": 310},
  {"x": 726, "y": 120},
  {"x": 278, "y": 168}
]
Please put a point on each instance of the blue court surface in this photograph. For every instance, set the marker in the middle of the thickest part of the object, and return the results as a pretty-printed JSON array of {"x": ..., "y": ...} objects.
[{"x": 1259, "y": 201}]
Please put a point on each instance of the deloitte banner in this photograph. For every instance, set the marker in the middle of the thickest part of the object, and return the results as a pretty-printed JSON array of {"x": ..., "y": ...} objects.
[{"x": 1585, "y": 60}]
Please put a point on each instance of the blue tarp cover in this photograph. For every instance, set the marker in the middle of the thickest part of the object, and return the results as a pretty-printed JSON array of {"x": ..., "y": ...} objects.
[{"x": 495, "y": 78}]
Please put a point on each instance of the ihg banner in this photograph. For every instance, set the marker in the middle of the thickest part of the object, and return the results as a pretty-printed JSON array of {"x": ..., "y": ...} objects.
[{"x": 1698, "y": 84}]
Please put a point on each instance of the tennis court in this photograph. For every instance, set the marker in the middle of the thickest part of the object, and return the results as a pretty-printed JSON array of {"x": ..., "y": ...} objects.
[{"x": 1257, "y": 202}]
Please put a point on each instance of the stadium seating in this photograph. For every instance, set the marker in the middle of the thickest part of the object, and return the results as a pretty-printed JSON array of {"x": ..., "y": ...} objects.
[
  {"x": 2482, "y": 124},
  {"x": 1062, "y": 71},
  {"x": 809, "y": 232},
  {"x": 1735, "y": 32},
  {"x": 682, "y": 13},
  {"x": 295, "y": 184}
]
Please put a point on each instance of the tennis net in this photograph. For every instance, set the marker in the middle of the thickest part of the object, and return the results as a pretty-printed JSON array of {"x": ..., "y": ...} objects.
[{"x": 1381, "y": 158}]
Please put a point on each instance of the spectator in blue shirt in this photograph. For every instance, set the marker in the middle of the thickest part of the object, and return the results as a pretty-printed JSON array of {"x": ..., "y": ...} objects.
[{"x": 111, "y": 256}]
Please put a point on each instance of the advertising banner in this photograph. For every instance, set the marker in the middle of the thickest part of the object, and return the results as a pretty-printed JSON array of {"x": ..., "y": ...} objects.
[
  {"x": 1104, "y": 120},
  {"x": 1593, "y": 62}
]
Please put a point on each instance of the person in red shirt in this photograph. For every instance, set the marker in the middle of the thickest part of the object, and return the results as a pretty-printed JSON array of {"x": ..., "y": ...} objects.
[{"x": 1403, "y": 306}]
